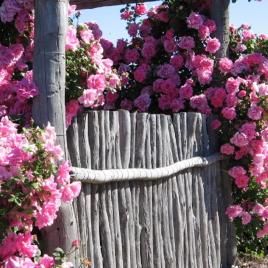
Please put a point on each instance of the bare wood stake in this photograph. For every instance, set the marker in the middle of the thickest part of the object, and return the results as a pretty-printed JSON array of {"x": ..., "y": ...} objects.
[{"x": 49, "y": 105}]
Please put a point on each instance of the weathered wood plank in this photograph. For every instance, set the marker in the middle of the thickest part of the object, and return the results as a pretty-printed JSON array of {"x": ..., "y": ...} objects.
[{"x": 86, "y": 4}]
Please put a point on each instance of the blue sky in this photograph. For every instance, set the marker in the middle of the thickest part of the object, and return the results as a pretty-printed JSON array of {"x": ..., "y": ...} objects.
[{"x": 254, "y": 13}]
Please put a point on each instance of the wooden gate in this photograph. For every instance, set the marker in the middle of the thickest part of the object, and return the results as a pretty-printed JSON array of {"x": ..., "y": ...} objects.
[{"x": 145, "y": 217}]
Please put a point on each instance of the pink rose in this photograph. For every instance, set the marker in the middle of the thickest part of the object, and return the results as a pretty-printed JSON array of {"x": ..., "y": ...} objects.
[
  {"x": 186, "y": 42},
  {"x": 149, "y": 49},
  {"x": 166, "y": 71},
  {"x": 131, "y": 55},
  {"x": 228, "y": 113},
  {"x": 237, "y": 171},
  {"x": 88, "y": 98},
  {"x": 216, "y": 95},
  {"x": 71, "y": 191},
  {"x": 86, "y": 35},
  {"x": 177, "y": 105},
  {"x": 72, "y": 43},
  {"x": 227, "y": 149},
  {"x": 232, "y": 85},
  {"x": 233, "y": 211},
  {"x": 255, "y": 112},
  {"x": 96, "y": 81},
  {"x": 239, "y": 139},
  {"x": 141, "y": 9},
  {"x": 249, "y": 129},
  {"x": 195, "y": 20},
  {"x": 46, "y": 262},
  {"x": 246, "y": 217},
  {"x": 200, "y": 103},
  {"x": 211, "y": 25},
  {"x": 213, "y": 45},
  {"x": 133, "y": 29},
  {"x": 242, "y": 181},
  {"x": 186, "y": 91},
  {"x": 177, "y": 61},
  {"x": 225, "y": 65},
  {"x": 203, "y": 32}
]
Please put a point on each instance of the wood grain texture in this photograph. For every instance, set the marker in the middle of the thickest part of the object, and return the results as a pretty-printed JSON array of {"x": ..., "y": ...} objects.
[
  {"x": 220, "y": 14},
  {"x": 176, "y": 221},
  {"x": 49, "y": 105}
]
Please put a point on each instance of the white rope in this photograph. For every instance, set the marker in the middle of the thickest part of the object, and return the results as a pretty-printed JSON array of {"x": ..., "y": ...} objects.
[{"x": 110, "y": 175}]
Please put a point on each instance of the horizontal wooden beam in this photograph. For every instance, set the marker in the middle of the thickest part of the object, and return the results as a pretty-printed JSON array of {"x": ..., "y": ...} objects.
[{"x": 87, "y": 4}]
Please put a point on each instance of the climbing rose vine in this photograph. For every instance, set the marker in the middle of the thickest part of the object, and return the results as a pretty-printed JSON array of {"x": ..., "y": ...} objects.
[
  {"x": 89, "y": 74},
  {"x": 32, "y": 189}
]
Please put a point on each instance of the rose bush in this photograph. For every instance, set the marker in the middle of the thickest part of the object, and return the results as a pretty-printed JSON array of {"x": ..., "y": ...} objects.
[
  {"x": 33, "y": 187},
  {"x": 169, "y": 65},
  {"x": 89, "y": 75}
]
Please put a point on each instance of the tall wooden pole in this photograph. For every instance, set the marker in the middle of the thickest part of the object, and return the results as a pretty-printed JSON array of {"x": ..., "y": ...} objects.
[
  {"x": 49, "y": 76},
  {"x": 220, "y": 14}
]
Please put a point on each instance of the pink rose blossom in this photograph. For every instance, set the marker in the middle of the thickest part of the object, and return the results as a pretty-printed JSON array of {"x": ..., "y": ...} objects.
[
  {"x": 177, "y": 61},
  {"x": 228, "y": 113},
  {"x": 88, "y": 98},
  {"x": 141, "y": 9},
  {"x": 203, "y": 32},
  {"x": 195, "y": 20},
  {"x": 186, "y": 42},
  {"x": 233, "y": 211},
  {"x": 213, "y": 45},
  {"x": 227, "y": 149},
  {"x": 246, "y": 217},
  {"x": 242, "y": 181},
  {"x": 72, "y": 43},
  {"x": 255, "y": 112},
  {"x": 239, "y": 139},
  {"x": 225, "y": 65},
  {"x": 237, "y": 171},
  {"x": 86, "y": 35},
  {"x": 71, "y": 191}
]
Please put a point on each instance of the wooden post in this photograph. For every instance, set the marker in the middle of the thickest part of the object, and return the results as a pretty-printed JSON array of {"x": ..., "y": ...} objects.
[
  {"x": 220, "y": 14},
  {"x": 49, "y": 106}
]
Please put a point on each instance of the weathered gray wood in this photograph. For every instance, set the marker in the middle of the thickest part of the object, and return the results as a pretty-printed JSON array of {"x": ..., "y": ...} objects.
[
  {"x": 85, "y": 4},
  {"x": 49, "y": 105},
  {"x": 175, "y": 221},
  {"x": 220, "y": 14}
]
